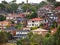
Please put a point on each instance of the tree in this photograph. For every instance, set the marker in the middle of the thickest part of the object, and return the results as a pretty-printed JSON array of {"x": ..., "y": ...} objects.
[
  {"x": 19, "y": 26},
  {"x": 9, "y": 35},
  {"x": 14, "y": 1},
  {"x": 4, "y": 2},
  {"x": 51, "y": 1},
  {"x": 1, "y": 6},
  {"x": 26, "y": 7},
  {"x": 32, "y": 39},
  {"x": 54, "y": 24},
  {"x": 33, "y": 15},
  {"x": 3, "y": 37},
  {"x": 57, "y": 36},
  {"x": 42, "y": 4},
  {"x": 13, "y": 7},
  {"x": 56, "y": 4},
  {"x": 2, "y": 18}
]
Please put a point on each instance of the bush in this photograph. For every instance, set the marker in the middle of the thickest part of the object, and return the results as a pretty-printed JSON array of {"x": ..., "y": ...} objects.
[{"x": 33, "y": 28}]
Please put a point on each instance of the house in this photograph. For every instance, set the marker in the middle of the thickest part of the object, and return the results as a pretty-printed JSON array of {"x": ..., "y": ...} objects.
[
  {"x": 57, "y": 12},
  {"x": 35, "y": 22},
  {"x": 43, "y": 10},
  {"x": 11, "y": 30},
  {"x": 22, "y": 21},
  {"x": 21, "y": 34},
  {"x": 48, "y": 14},
  {"x": 40, "y": 31},
  {"x": 57, "y": 9},
  {"x": 14, "y": 16},
  {"x": 3, "y": 24}
]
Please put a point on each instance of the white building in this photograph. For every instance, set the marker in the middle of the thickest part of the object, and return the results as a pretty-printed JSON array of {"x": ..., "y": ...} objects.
[{"x": 35, "y": 22}]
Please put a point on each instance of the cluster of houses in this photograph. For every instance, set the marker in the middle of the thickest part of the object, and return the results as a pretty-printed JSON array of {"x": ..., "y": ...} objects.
[{"x": 46, "y": 16}]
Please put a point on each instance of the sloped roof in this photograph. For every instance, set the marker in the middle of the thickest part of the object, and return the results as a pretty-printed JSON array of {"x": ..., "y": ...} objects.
[
  {"x": 40, "y": 30},
  {"x": 16, "y": 15},
  {"x": 23, "y": 31},
  {"x": 57, "y": 8},
  {"x": 10, "y": 28},
  {"x": 36, "y": 19}
]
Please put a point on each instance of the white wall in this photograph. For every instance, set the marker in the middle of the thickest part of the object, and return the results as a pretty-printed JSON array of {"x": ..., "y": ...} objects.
[{"x": 35, "y": 23}]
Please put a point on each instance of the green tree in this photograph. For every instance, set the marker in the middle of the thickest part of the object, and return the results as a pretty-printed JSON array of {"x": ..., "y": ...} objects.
[
  {"x": 32, "y": 39},
  {"x": 42, "y": 4},
  {"x": 13, "y": 7},
  {"x": 9, "y": 35},
  {"x": 19, "y": 26},
  {"x": 56, "y": 4},
  {"x": 3, "y": 37},
  {"x": 54, "y": 24},
  {"x": 2, "y": 18},
  {"x": 14, "y": 1},
  {"x": 51, "y": 1},
  {"x": 26, "y": 7},
  {"x": 57, "y": 37},
  {"x": 33, "y": 15}
]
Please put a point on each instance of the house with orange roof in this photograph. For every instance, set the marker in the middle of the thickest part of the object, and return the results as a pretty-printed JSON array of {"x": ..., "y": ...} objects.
[
  {"x": 35, "y": 22},
  {"x": 3, "y": 24},
  {"x": 14, "y": 16}
]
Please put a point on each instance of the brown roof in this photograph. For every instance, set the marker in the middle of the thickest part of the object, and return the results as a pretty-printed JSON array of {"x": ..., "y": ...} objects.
[{"x": 16, "y": 15}]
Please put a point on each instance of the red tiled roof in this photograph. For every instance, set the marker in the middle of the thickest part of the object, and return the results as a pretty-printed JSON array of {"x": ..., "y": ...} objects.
[
  {"x": 57, "y": 8},
  {"x": 16, "y": 15},
  {"x": 36, "y": 19}
]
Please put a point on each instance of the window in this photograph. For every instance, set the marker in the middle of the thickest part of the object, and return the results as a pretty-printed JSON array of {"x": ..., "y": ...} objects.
[
  {"x": 33, "y": 21},
  {"x": 32, "y": 24}
]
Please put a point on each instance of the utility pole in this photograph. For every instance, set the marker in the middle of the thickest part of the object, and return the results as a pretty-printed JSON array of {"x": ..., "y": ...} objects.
[
  {"x": 27, "y": 5},
  {"x": 27, "y": 1}
]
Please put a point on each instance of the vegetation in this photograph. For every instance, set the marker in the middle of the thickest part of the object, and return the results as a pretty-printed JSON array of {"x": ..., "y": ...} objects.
[
  {"x": 33, "y": 28},
  {"x": 31, "y": 40},
  {"x": 35, "y": 39},
  {"x": 41, "y": 25},
  {"x": 33, "y": 15},
  {"x": 19, "y": 26},
  {"x": 12, "y": 6},
  {"x": 2, "y": 18},
  {"x": 43, "y": 3},
  {"x": 4, "y": 37},
  {"x": 8, "y": 7},
  {"x": 51, "y": 1},
  {"x": 54, "y": 25},
  {"x": 56, "y": 4}
]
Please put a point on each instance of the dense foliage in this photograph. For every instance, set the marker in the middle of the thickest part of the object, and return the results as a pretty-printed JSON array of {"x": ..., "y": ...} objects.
[
  {"x": 4, "y": 37},
  {"x": 2, "y": 18},
  {"x": 12, "y": 6},
  {"x": 35, "y": 39},
  {"x": 33, "y": 15}
]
